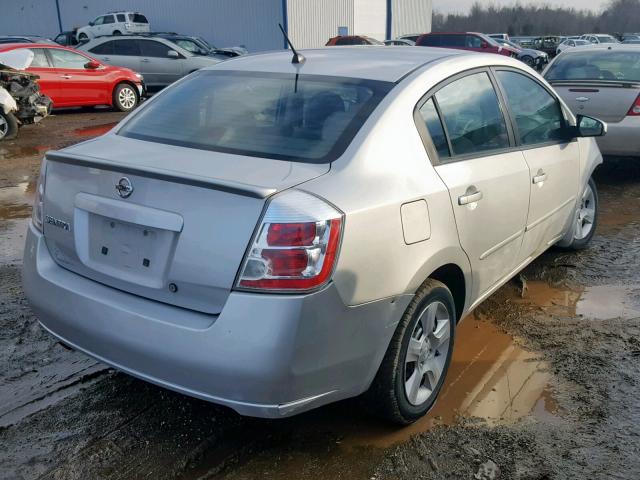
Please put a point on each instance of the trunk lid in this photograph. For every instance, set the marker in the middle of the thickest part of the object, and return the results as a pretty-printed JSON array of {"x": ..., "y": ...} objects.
[
  {"x": 607, "y": 101},
  {"x": 180, "y": 235}
]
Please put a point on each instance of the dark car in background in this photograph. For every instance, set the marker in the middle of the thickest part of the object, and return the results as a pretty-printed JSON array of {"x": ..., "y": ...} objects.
[
  {"x": 532, "y": 57},
  {"x": 67, "y": 39},
  {"x": 199, "y": 46},
  {"x": 473, "y": 41},
  {"x": 352, "y": 40}
]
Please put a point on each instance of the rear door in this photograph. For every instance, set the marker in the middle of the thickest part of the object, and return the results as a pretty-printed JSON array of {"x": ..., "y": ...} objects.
[
  {"x": 49, "y": 80},
  {"x": 553, "y": 160},
  {"x": 488, "y": 179},
  {"x": 157, "y": 67}
]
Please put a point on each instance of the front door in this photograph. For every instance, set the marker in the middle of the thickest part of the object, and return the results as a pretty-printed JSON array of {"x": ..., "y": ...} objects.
[
  {"x": 488, "y": 181},
  {"x": 79, "y": 85},
  {"x": 156, "y": 65},
  {"x": 553, "y": 160}
]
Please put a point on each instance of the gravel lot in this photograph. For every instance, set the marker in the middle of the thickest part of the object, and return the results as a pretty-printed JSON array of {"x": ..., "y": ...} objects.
[{"x": 544, "y": 381}]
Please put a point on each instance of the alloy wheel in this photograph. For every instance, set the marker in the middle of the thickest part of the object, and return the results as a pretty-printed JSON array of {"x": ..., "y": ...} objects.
[
  {"x": 586, "y": 214},
  {"x": 127, "y": 98},
  {"x": 427, "y": 353}
]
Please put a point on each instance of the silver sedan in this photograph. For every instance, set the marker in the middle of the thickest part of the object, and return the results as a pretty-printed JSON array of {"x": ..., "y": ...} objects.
[
  {"x": 603, "y": 81},
  {"x": 274, "y": 235}
]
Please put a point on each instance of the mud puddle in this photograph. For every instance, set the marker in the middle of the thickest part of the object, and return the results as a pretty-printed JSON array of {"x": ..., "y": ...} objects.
[
  {"x": 492, "y": 380},
  {"x": 599, "y": 302},
  {"x": 94, "y": 130}
]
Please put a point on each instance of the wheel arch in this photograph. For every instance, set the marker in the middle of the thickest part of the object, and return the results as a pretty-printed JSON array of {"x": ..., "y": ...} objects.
[
  {"x": 118, "y": 82},
  {"x": 453, "y": 277}
]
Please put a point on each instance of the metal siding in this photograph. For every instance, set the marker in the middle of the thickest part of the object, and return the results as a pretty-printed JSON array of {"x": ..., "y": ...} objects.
[
  {"x": 29, "y": 17},
  {"x": 313, "y": 22},
  {"x": 410, "y": 16},
  {"x": 222, "y": 22},
  {"x": 370, "y": 18}
]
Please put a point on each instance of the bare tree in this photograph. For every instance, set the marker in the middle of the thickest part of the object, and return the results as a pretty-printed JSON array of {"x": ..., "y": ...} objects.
[{"x": 520, "y": 19}]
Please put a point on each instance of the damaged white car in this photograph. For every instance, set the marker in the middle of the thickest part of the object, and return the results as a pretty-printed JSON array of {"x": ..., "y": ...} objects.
[{"x": 21, "y": 102}]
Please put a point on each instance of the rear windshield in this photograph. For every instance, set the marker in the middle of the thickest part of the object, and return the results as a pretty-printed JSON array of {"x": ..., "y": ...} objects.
[
  {"x": 267, "y": 115},
  {"x": 597, "y": 65},
  {"x": 138, "y": 18}
]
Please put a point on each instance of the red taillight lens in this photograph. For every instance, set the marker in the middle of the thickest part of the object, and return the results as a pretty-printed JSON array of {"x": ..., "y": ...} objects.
[
  {"x": 634, "y": 111},
  {"x": 296, "y": 245},
  {"x": 291, "y": 234}
]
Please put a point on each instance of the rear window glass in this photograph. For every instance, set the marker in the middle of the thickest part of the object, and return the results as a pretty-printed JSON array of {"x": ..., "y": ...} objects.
[
  {"x": 308, "y": 119},
  {"x": 596, "y": 65},
  {"x": 138, "y": 18}
]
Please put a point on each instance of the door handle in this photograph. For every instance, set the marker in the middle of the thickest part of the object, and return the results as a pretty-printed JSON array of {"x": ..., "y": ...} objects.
[
  {"x": 470, "y": 197},
  {"x": 145, "y": 60},
  {"x": 106, "y": 59},
  {"x": 540, "y": 177},
  {"x": 65, "y": 76}
]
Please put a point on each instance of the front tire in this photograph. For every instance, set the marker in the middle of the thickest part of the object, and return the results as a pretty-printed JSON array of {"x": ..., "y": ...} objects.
[
  {"x": 125, "y": 97},
  {"x": 586, "y": 218},
  {"x": 8, "y": 125},
  {"x": 416, "y": 362},
  {"x": 528, "y": 60}
]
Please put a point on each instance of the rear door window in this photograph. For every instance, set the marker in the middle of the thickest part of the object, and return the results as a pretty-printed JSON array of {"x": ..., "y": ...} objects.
[
  {"x": 121, "y": 18},
  {"x": 537, "y": 113},
  {"x": 431, "y": 40},
  {"x": 453, "y": 41},
  {"x": 472, "y": 115},
  {"x": 305, "y": 118},
  {"x": 126, "y": 47},
  {"x": 106, "y": 48},
  {"x": 40, "y": 59}
]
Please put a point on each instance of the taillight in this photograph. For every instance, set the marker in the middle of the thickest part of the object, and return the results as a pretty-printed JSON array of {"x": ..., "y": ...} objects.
[
  {"x": 634, "y": 111},
  {"x": 296, "y": 245},
  {"x": 37, "y": 213}
]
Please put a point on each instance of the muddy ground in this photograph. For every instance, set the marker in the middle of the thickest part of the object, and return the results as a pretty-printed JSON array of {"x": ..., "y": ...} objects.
[{"x": 544, "y": 381}]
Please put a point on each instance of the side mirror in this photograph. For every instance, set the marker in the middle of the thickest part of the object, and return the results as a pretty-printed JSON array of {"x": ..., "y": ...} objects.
[
  {"x": 91, "y": 65},
  {"x": 91, "y": 24},
  {"x": 173, "y": 54},
  {"x": 590, "y": 127}
]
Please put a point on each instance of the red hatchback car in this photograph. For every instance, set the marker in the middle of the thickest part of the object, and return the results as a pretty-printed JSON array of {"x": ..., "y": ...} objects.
[
  {"x": 74, "y": 79},
  {"x": 477, "y": 42}
]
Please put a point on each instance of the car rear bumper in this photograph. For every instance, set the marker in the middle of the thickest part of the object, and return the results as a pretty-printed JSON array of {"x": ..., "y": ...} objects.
[
  {"x": 263, "y": 355},
  {"x": 622, "y": 138}
]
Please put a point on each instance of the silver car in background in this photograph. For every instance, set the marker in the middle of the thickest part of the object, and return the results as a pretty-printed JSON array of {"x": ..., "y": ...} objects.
[
  {"x": 603, "y": 81},
  {"x": 160, "y": 61},
  {"x": 274, "y": 235}
]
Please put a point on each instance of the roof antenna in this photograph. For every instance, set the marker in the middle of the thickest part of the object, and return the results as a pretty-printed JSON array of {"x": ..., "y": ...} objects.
[{"x": 297, "y": 57}]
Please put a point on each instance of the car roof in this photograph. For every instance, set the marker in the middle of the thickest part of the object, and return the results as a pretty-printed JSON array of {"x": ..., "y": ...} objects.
[
  {"x": 372, "y": 62},
  {"x": 12, "y": 46}
]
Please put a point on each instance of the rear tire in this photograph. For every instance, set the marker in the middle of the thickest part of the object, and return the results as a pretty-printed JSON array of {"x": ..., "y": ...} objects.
[
  {"x": 586, "y": 217},
  {"x": 125, "y": 97},
  {"x": 416, "y": 362},
  {"x": 8, "y": 126}
]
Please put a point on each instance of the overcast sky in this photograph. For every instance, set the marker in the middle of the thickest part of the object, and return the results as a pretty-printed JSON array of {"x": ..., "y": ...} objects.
[{"x": 452, "y": 6}]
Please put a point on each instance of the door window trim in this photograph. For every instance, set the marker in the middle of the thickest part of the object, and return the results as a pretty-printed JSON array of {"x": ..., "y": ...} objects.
[
  {"x": 426, "y": 137},
  {"x": 514, "y": 124}
]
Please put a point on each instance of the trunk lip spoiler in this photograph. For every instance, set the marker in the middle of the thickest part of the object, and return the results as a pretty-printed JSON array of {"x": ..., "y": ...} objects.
[
  {"x": 237, "y": 188},
  {"x": 597, "y": 83}
]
